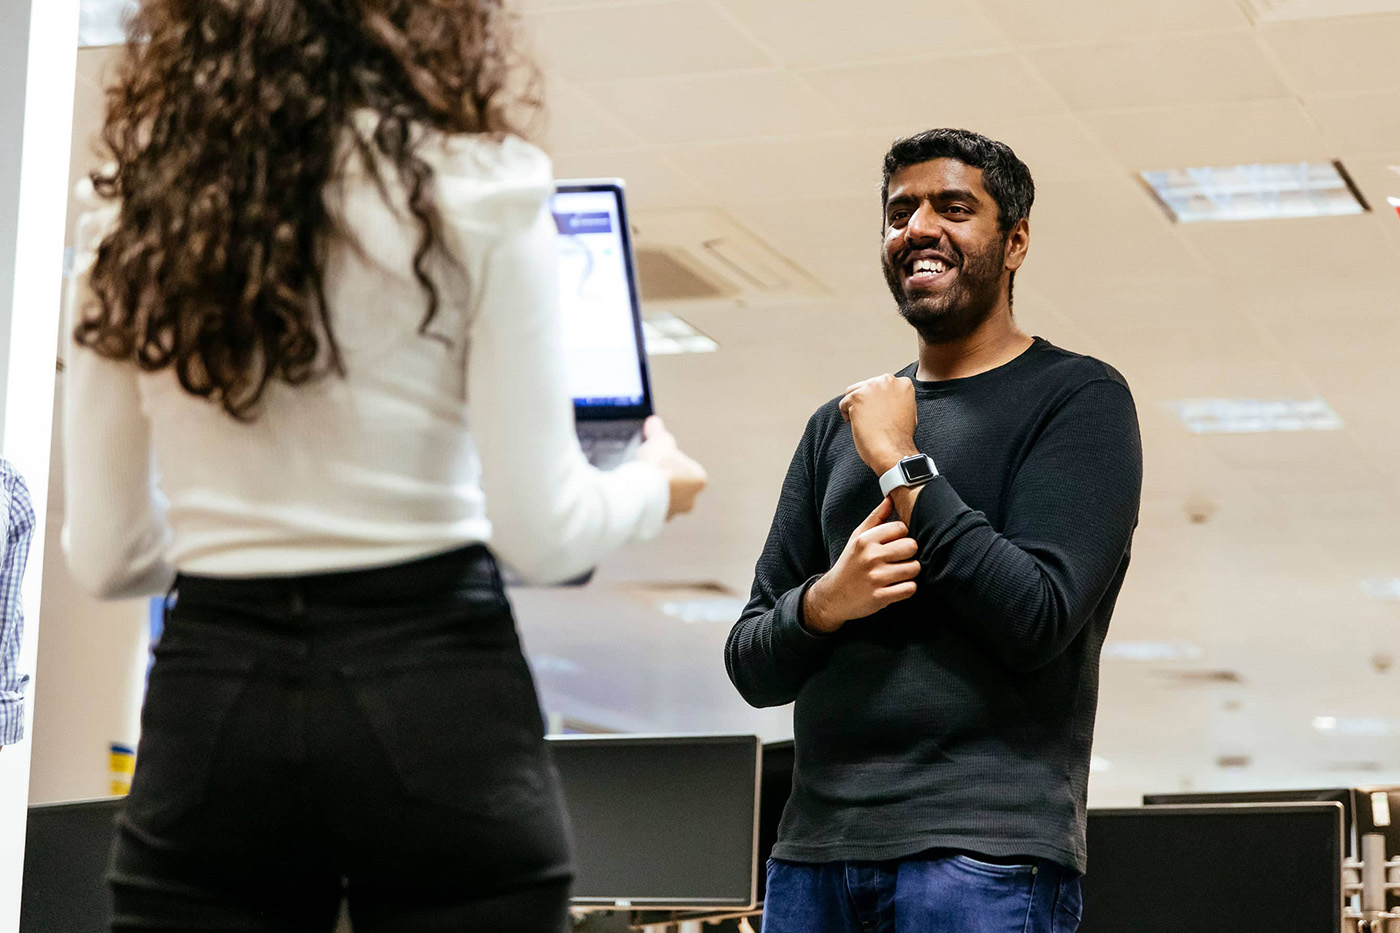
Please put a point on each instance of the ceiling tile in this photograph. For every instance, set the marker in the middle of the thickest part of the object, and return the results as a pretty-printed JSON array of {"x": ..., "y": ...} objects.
[
  {"x": 953, "y": 91},
  {"x": 727, "y": 106},
  {"x": 641, "y": 40},
  {"x": 1057, "y": 149},
  {"x": 1360, "y": 122},
  {"x": 836, "y": 240},
  {"x": 1276, "y": 130},
  {"x": 1323, "y": 246},
  {"x": 651, "y": 180},
  {"x": 573, "y": 122},
  {"x": 1035, "y": 22},
  {"x": 812, "y": 32},
  {"x": 1352, "y": 53},
  {"x": 1104, "y": 231},
  {"x": 808, "y": 167},
  {"x": 1159, "y": 71}
]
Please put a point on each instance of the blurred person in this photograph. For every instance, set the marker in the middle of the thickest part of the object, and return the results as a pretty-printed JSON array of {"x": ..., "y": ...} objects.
[
  {"x": 317, "y": 382},
  {"x": 934, "y": 593},
  {"x": 18, "y": 509}
]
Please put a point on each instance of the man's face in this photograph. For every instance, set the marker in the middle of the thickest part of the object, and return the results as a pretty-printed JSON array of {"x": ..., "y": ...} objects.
[{"x": 944, "y": 255}]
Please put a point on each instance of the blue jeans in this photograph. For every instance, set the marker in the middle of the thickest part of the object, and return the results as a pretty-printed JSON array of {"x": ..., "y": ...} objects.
[{"x": 936, "y": 892}]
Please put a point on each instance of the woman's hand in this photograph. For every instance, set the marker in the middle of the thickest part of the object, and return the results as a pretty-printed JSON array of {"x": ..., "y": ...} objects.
[{"x": 687, "y": 477}]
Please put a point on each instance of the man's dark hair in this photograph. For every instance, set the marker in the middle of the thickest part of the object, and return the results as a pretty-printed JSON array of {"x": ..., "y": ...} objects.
[{"x": 1005, "y": 177}]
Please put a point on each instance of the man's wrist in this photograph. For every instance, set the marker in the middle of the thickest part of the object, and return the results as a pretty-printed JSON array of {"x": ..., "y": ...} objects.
[
  {"x": 814, "y": 617},
  {"x": 885, "y": 459}
]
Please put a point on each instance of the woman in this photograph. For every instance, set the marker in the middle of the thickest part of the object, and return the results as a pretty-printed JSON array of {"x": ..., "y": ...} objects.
[{"x": 318, "y": 295}]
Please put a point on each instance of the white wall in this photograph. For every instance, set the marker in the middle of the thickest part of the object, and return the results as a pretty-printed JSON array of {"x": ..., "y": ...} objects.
[{"x": 38, "y": 48}]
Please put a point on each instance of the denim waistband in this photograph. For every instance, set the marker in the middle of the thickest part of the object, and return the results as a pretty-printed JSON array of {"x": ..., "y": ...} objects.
[{"x": 470, "y": 568}]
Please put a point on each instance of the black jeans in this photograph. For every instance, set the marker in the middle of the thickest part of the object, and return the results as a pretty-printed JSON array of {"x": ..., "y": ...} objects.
[{"x": 373, "y": 735}]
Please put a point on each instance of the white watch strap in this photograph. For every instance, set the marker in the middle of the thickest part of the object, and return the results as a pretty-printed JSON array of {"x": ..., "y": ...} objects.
[{"x": 893, "y": 478}]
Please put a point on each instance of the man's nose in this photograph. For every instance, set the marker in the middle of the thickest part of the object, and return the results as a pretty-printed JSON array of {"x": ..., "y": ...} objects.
[{"x": 925, "y": 225}]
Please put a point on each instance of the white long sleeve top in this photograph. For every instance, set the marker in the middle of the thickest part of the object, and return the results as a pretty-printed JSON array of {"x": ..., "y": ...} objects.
[{"x": 422, "y": 447}]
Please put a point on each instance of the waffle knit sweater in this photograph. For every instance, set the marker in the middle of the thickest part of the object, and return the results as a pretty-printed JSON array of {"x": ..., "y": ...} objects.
[{"x": 963, "y": 717}]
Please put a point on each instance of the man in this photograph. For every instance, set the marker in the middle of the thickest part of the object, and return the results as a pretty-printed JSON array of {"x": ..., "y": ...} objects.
[{"x": 936, "y": 587}]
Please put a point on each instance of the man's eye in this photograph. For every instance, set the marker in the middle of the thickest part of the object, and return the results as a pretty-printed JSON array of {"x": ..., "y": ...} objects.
[{"x": 955, "y": 209}]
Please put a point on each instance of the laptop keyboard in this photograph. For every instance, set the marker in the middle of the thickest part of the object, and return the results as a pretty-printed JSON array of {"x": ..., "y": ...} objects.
[{"x": 609, "y": 444}]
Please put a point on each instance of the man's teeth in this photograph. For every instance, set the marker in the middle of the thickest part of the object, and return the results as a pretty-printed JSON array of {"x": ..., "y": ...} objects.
[{"x": 929, "y": 265}]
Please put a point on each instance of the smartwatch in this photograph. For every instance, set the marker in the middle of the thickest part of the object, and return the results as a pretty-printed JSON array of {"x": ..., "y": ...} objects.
[{"x": 911, "y": 471}]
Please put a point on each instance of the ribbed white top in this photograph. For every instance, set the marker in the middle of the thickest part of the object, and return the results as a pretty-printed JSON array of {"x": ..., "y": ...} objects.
[{"x": 424, "y": 445}]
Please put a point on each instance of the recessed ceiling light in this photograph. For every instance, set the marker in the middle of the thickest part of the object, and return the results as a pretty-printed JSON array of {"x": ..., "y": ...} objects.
[
  {"x": 1151, "y": 651},
  {"x": 1256, "y": 416},
  {"x": 102, "y": 22},
  {"x": 1358, "y": 726},
  {"x": 704, "y": 609},
  {"x": 667, "y": 334},
  {"x": 1255, "y": 192},
  {"x": 1382, "y": 587}
]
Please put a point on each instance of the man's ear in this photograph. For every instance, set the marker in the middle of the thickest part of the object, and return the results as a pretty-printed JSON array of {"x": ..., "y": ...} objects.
[{"x": 1018, "y": 241}]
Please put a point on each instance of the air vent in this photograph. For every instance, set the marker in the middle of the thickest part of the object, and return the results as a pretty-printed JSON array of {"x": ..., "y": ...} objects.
[
  {"x": 1281, "y": 11},
  {"x": 704, "y": 255}
]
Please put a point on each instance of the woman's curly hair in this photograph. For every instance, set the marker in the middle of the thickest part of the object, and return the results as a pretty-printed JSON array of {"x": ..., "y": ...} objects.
[{"x": 223, "y": 125}]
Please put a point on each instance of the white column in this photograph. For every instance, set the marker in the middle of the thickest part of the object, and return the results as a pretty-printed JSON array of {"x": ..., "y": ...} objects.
[{"x": 38, "y": 49}]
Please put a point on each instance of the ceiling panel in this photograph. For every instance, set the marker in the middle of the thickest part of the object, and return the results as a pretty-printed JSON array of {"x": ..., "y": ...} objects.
[
  {"x": 641, "y": 40},
  {"x": 1276, "y": 130},
  {"x": 1160, "y": 70},
  {"x": 1324, "y": 246},
  {"x": 1035, "y": 22},
  {"x": 1360, "y": 123},
  {"x": 811, "y": 32},
  {"x": 573, "y": 122},
  {"x": 1347, "y": 53},
  {"x": 719, "y": 107},
  {"x": 801, "y": 167},
  {"x": 651, "y": 180},
  {"x": 952, "y": 91}
]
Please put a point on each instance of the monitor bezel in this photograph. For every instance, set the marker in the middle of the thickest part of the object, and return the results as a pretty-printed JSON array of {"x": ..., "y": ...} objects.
[
  {"x": 617, "y": 188},
  {"x": 587, "y": 903}
]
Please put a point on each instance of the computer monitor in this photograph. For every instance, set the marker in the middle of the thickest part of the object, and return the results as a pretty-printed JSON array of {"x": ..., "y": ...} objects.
[
  {"x": 66, "y": 850},
  {"x": 666, "y": 822},
  {"x": 604, "y": 353},
  {"x": 1346, "y": 796},
  {"x": 1242, "y": 868}
]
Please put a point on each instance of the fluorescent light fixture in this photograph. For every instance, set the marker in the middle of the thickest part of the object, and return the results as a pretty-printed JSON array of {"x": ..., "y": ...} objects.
[
  {"x": 103, "y": 22},
  {"x": 1382, "y": 588},
  {"x": 1256, "y": 416},
  {"x": 1099, "y": 765},
  {"x": 1151, "y": 651},
  {"x": 1372, "y": 727},
  {"x": 704, "y": 609},
  {"x": 1255, "y": 192},
  {"x": 667, "y": 334}
]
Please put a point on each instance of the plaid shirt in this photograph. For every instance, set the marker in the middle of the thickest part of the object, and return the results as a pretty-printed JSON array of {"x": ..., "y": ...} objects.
[{"x": 19, "y": 514}]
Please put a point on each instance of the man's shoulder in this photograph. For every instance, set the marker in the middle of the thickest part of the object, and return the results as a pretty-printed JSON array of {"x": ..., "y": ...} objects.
[{"x": 1072, "y": 370}]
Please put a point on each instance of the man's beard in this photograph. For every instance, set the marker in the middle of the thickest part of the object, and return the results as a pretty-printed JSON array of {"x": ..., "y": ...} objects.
[{"x": 956, "y": 312}]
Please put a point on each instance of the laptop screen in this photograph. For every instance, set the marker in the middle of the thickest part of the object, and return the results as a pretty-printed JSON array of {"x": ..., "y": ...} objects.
[{"x": 598, "y": 297}]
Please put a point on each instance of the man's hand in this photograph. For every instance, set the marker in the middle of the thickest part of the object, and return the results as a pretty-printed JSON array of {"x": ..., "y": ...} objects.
[
  {"x": 883, "y": 416},
  {"x": 875, "y": 569}
]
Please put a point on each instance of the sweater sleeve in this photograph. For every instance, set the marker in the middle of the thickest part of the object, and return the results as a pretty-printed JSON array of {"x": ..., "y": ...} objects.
[
  {"x": 553, "y": 515},
  {"x": 1026, "y": 592},
  {"x": 769, "y": 654},
  {"x": 115, "y": 534}
]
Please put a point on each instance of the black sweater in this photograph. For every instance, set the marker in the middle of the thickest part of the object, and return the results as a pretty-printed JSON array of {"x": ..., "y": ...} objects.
[{"x": 962, "y": 717}]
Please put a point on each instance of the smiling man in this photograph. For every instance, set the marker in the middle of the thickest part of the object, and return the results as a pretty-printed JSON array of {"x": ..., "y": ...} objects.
[{"x": 934, "y": 593}]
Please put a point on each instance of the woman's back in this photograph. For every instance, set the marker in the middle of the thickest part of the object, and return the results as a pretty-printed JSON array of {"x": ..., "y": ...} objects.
[{"x": 384, "y": 463}]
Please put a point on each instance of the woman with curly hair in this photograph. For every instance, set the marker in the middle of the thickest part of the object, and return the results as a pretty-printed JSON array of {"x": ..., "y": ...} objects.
[{"x": 316, "y": 370}]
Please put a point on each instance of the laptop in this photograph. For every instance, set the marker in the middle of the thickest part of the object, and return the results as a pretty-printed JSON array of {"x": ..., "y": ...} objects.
[{"x": 602, "y": 319}]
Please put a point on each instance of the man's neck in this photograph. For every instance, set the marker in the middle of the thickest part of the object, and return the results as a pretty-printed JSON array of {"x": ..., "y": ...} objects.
[{"x": 996, "y": 342}]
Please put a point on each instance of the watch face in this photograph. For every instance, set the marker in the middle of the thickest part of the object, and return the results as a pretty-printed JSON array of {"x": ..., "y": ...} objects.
[{"x": 916, "y": 469}]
